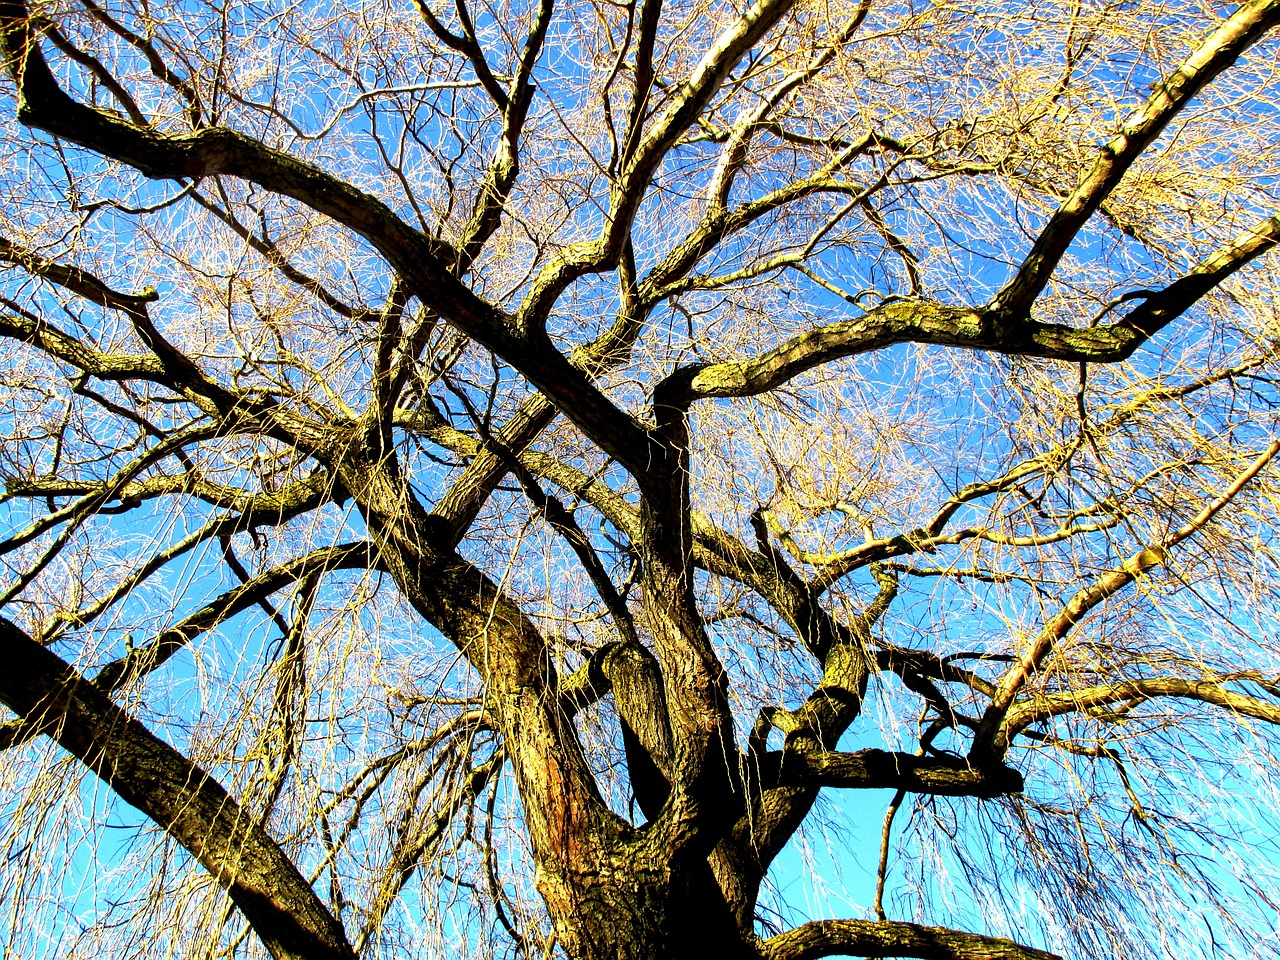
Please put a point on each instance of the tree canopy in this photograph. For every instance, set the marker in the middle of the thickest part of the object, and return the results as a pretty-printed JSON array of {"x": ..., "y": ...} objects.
[{"x": 506, "y": 478}]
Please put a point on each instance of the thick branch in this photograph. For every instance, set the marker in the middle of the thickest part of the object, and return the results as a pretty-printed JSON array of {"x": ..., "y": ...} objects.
[
  {"x": 878, "y": 769},
  {"x": 423, "y": 261},
  {"x": 922, "y": 321},
  {"x": 179, "y": 796},
  {"x": 886, "y": 938},
  {"x": 62, "y": 346},
  {"x": 1240, "y": 31}
]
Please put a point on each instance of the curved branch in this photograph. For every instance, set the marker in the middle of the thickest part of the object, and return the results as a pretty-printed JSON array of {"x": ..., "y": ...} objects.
[
  {"x": 691, "y": 97},
  {"x": 422, "y": 260},
  {"x": 77, "y": 512},
  {"x": 1129, "y": 691},
  {"x": 264, "y": 510},
  {"x": 987, "y": 330},
  {"x": 887, "y": 938},
  {"x": 992, "y": 735}
]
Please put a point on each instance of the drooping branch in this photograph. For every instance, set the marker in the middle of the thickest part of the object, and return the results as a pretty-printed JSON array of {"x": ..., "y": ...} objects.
[
  {"x": 154, "y": 653},
  {"x": 992, "y": 737},
  {"x": 1213, "y": 692},
  {"x": 271, "y": 510}
]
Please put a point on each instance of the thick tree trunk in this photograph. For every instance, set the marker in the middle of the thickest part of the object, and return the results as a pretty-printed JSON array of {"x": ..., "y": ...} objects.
[{"x": 629, "y": 905}]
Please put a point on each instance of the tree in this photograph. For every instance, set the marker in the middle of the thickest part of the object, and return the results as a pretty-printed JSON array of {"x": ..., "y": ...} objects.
[{"x": 486, "y": 473}]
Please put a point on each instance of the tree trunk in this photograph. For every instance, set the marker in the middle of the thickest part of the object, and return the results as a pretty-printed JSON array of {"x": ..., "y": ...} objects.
[{"x": 629, "y": 904}]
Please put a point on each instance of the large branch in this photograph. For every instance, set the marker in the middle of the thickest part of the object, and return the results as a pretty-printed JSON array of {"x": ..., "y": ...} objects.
[
  {"x": 1174, "y": 300},
  {"x": 887, "y": 938},
  {"x": 175, "y": 793},
  {"x": 62, "y": 346},
  {"x": 423, "y": 261},
  {"x": 987, "y": 330},
  {"x": 879, "y": 769},
  {"x": 1224, "y": 46}
]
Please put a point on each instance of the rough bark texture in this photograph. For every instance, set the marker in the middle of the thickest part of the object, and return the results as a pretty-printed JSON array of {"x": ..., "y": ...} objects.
[{"x": 542, "y": 427}]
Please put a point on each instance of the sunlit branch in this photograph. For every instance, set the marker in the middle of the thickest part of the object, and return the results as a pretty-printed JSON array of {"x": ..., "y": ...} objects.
[
  {"x": 735, "y": 152},
  {"x": 273, "y": 510},
  {"x": 504, "y": 168},
  {"x": 991, "y": 736},
  {"x": 690, "y": 98},
  {"x": 165, "y": 485},
  {"x": 45, "y": 336},
  {"x": 922, "y": 321},
  {"x": 1242, "y": 29},
  {"x": 78, "y": 511},
  {"x": 887, "y": 938},
  {"x": 1214, "y": 692}
]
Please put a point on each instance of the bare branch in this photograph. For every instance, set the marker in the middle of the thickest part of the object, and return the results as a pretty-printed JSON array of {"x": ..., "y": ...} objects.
[
  {"x": 886, "y": 938},
  {"x": 180, "y": 797},
  {"x": 1241, "y": 30}
]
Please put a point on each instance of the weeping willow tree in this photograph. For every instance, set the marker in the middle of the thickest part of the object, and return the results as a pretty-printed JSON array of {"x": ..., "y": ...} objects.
[{"x": 505, "y": 479}]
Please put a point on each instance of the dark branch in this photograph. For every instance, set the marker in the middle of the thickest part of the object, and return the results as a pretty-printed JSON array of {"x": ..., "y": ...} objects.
[
  {"x": 879, "y": 769},
  {"x": 179, "y": 796}
]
